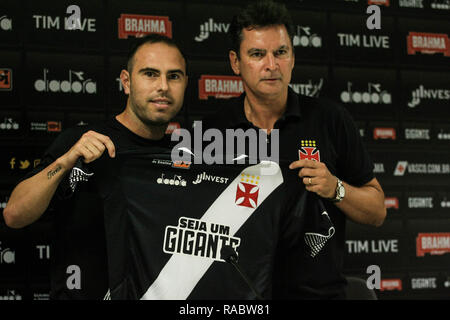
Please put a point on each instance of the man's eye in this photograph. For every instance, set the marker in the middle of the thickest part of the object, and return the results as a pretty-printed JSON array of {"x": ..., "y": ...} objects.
[
  {"x": 174, "y": 76},
  {"x": 151, "y": 74},
  {"x": 256, "y": 54},
  {"x": 281, "y": 52}
]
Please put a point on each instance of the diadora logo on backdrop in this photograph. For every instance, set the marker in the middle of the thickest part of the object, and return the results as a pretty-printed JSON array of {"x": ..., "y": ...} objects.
[
  {"x": 373, "y": 95},
  {"x": 7, "y": 255},
  {"x": 432, "y": 243},
  {"x": 363, "y": 41},
  {"x": 5, "y": 23},
  {"x": 5, "y": 79},
  {"x": 440, "y": 4},
  {"x": 76, "y": 83},
  {"x": 428, "y": 43},
  {"x": 209, "y": 27},
  {"x": 137, "y": 25},
  {"x": 421, "y": 168},
  {"x": 306, "y": 38},
  {"x": 10, "y": 295},
  {"x": 247, "y": 191},
  {"x": 309, "y": 151},
  {"x": 199, "y": 238},
  {"x": 9, "y": 124},
  {"x": 219, "y": 87},
  {"x": 421, "y": 93},
  {"x": 310, "y": 88}
]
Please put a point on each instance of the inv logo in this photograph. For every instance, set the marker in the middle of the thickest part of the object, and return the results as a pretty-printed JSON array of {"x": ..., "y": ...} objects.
[
  {"x": 75, "y": 84},
  {"x": 304, "y": 38},
  {"x": 5, "y": 23},
  {"x": 373, "y": 95},
  {"x": 431, "y": 94},
  {"x": 310, "y": 88},
  {"x": 211, "y": 27}
]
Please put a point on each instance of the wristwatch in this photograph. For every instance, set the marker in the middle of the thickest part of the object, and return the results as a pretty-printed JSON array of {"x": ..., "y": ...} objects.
[{"x": 340, "y": 192}]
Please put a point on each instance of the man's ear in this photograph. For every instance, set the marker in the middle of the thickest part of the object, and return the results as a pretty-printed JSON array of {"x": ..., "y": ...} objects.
[
  {"x": 234, "y": 62},
  {"x": 125, "y": 79}
]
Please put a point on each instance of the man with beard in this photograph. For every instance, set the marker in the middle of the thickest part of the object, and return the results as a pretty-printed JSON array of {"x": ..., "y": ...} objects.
[{"x": 155, "y": 82}]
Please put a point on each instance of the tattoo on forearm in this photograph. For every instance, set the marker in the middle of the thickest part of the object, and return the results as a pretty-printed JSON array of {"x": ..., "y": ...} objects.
[{"x": 51, "y": 173}]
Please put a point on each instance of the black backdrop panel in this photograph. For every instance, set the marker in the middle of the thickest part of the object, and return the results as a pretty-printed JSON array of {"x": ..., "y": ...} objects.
[
  {"x": 117, "y": 98},
  {"x": 11, "y": 124},
  {"x": 10, "y": 78},
  {"x": 65, "y": 81},
  {"x": 206, "y": 31},
  {"x": 310, "y": 80},
  {"x": 353, "y": 41},
  {"x": 384, "y": 246},
  {"x": 132, "y": 18},
  {"x": 11, "y": 23},
  {"x": 425, "y": 93},
  {"x": 366, "y": 92},
  {"x": 424, "y": 41},
  {"x": 48, "y": 24}
]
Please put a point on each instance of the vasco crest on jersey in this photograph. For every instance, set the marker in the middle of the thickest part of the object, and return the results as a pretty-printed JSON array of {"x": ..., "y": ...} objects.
[{"x": 309, "y": 150}]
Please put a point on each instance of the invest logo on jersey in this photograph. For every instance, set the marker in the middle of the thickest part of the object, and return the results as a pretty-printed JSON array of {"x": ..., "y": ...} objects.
[{"x": 206, "y": 177}]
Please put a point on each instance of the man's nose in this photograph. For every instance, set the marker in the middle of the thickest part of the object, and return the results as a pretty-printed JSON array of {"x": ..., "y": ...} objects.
[
  {"x": 163, "y": 85},
  {"x": 271, "y": 63}
]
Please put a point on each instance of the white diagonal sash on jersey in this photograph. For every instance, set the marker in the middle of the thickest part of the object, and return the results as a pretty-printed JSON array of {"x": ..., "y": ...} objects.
[{"x": 182, "y": 272}]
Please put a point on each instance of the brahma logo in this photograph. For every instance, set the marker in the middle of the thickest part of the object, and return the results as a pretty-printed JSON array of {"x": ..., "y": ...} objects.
[
  {"x": 219, "y": 87},
  {"x": 377, "y": 96},
  {"x": 391, "y": 284},
  {"x": 308, "y": 89},
  {"x": 304, "y": 38},
  {"x": 209, "y": 27},
  {"x": 428, "y": 43},
  {"x": 5, "y": 79},
  {"x": 391, "y": 203},
  {"x": 384, "y": 133},
  {"x": 140, "y": 25},
  {"x": 432, "y": 94},
  {"x": 432, "y": 243},
  {"x": 77, "y": 85},
  {"x": 379, "y": 2},
  {"x": 247, "y": 192},
  {"x": 400, "y": 168},
  {"x": 309, "y": 151}
]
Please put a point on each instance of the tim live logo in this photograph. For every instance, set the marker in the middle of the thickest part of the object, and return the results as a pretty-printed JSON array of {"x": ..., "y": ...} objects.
[
  {"x": 219, "y": 86},
  {"x": 140, "y": 25},
  {"x": 429, "y": 43}
]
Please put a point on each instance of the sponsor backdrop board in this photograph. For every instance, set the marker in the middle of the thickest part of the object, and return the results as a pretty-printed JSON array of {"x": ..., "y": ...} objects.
[{"x": 394, "y": 81}]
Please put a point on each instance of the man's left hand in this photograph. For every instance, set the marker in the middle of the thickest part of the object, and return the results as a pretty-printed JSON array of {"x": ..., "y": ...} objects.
[{"x": 316, "y": 177}]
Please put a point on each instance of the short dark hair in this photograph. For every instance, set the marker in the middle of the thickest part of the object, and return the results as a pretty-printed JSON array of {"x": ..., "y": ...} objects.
[
  {"x": 259, "y": 14},
  {"x": 150, "y": 39}
]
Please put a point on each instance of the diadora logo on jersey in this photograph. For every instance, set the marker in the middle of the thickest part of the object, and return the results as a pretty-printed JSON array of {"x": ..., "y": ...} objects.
[
  {"x": 140, "y": 25},
  {"x": 198, "y": 238},
  {"x": 428, "y": 43},
  {"x": 309, "y": 151},
  {"x": 432, "y": 243},
  {"x": 5, "y": 79},
  {"x": 206, "y": 177},
  {"x": 247, "y": 191},
  {"x": 221, "y": 87},
  {"x": 176, "y": 180},
  {"x": 211, "y": 27}
]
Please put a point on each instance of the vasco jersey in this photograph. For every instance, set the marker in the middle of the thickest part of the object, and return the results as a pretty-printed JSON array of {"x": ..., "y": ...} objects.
[{"x": 166, "y": 223}]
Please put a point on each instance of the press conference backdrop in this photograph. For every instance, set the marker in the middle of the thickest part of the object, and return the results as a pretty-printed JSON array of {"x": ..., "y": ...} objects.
[{"x": 395, "y": 81}]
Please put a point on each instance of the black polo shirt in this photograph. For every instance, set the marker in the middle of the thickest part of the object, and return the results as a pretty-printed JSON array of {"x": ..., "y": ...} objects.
[{"x": 314, "y": 128}]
